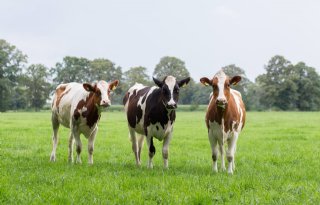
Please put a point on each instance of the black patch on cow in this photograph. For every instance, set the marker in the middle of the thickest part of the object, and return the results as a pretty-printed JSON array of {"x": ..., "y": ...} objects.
[
  {"x": 144, "y": 99},
  {"x": 172, "y": 116},
  {"x": 214, "y": 157},
  {"x": 157, "y": 127},
  {"x": 156, "y": 112},
  {"x": 152, "y": 149},
  {"x": 134, "y": 113}
]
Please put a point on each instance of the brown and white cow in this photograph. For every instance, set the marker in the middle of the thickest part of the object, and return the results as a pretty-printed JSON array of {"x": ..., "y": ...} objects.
[
  {"x": 78, "y": 107},
  {"x": 225, "y": 117},
  {"x": 151, "y": 113}
]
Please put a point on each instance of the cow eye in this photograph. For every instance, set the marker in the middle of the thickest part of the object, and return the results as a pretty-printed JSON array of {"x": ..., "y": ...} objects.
[{"x": 176, "y": 90}]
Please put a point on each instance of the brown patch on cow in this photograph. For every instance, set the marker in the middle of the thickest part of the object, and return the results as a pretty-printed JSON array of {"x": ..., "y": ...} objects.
[
  {"x": 76, "y": 113},
  {"x": 92, "y": 113},
  {"x": 60, "y": 92}
]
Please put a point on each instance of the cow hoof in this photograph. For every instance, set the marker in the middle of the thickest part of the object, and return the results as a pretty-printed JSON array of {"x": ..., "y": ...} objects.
[{"x": 52, "y": 158}]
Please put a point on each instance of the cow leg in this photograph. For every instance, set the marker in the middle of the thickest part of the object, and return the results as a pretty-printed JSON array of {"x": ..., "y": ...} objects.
[
  {"x": 214, "y": 148},
  {"x": 134, "y": 142},
  {"x": 140, "y": 145},
  {"x": 221, "y": 148},
  {"x": 55, "y": 128},
  {"x": 71, "y": 144},
  {"x": 165, "y": 150},
  {"x": 91, "y": 145},
  {"x": 232, "y": 142},
  {"x": 152, "y": 151},
  {"x": 76, "y": 136}
]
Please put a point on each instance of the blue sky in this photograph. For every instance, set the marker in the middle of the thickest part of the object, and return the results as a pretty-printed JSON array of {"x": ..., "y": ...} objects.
[{"x": 206, "y": 34}]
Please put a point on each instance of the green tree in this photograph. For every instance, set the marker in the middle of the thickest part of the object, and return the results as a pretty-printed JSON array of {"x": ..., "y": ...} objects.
[
  {"x": 307, "y": 81},
  {"x": 136, "y": 75},
  {"x": 12, "y": 62},
  {"x": 71, "y": 69},
  {"x": 171, "y": 66},
  {"x": 38, "y": 87},
  {"x": 201, "y": 94},
  {"x": 279, "y": 88},
  {"x": 254, "y": 98},
  {"x": 103, "y": 69}
]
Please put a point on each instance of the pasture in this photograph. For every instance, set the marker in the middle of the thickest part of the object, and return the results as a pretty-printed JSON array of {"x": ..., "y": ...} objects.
[{"x": 277, "y": 163}]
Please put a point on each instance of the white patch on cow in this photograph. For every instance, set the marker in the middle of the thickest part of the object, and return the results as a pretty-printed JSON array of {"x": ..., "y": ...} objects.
[
  {"x": 69, "y": 103},
  {"x": 104, "y": 88},
  {"x": 237, "y": 97},
  {"x": 160, "y": 133},
  {"x": 171, "y": 82},
  {"x": 221, "y": 76}
]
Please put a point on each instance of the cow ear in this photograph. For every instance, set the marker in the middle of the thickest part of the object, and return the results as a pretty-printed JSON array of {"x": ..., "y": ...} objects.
[
  {"x": 157, "y": 82},
  {"x": 235, "y": 80},
  {"x": 88, "y": 87},
  {"x": 113, "y": 85},
  {"x": 183, "y": 82},
  {"x": 205, "y": 81}
]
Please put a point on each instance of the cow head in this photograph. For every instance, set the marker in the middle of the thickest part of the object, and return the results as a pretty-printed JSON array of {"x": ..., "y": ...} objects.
[
  {"x": 101, "y": 91},
  {"x": 170, "y": 90},
  {"x": 221, "y": 87}
]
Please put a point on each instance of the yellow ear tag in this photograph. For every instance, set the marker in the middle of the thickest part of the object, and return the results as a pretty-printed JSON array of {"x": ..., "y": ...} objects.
[
  {"x": 206, "y": 84},
  {"x": 184, "y": 85},
  {"x": 113, "y": 88}
]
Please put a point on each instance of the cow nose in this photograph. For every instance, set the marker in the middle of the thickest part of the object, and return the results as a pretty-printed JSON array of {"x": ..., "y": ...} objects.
[
  {"x": 105, "y": 103},
  {"x": 172, "y": 106},
  {"x": 221, "y": 101}
]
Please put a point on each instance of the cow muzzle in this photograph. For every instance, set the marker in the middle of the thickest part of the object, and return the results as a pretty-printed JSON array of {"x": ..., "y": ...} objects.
[
  {"x": 171, "y": 106},
  {"x": 221, "y": 103},
  {"x": 105, "y": 103}
]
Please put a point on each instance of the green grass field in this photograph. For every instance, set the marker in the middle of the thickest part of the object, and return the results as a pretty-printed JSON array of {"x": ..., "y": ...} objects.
[{"x": 277, "y": 163}]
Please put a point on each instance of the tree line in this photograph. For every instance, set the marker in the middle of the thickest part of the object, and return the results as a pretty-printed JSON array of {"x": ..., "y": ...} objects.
[{"x": 283, "y": 86}]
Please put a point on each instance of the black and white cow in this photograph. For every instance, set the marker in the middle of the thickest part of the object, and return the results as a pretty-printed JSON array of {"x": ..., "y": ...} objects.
[{"x": 151, "y": 113}]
